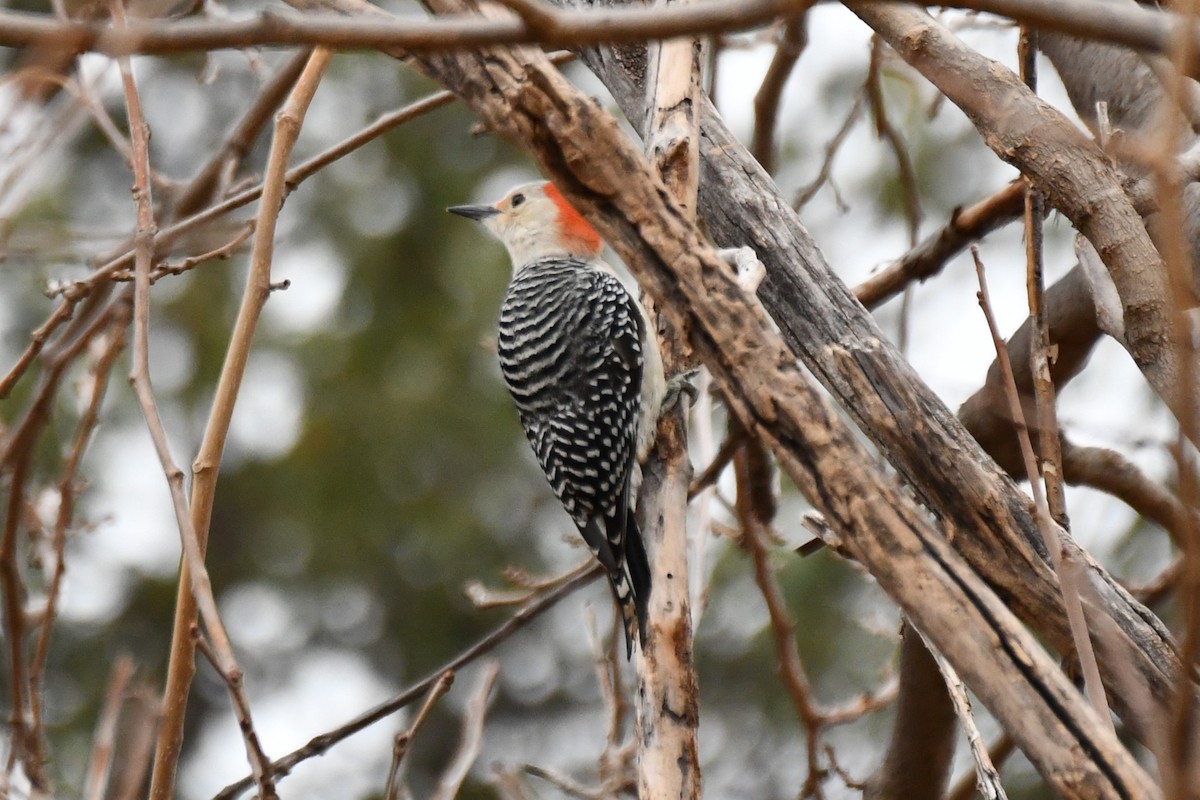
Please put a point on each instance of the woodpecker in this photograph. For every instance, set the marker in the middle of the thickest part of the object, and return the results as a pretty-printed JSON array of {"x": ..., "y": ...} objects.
[{"x": 583, "y": 367}]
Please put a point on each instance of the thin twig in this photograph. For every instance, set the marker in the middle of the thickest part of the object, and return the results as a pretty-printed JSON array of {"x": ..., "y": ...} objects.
[
  {"x": 1049, "y": 455},
  {"x": 245, "y": 231},
  {"x": 404, "y": 738},
  {"x": 205, "y": 185},
  {"x": 927, "y": 259},
  {"x": 137, "y": 745},
  {"x": 791, "y": 668},
  {"x": 967, "y": 786},
  {"x": 987, "y": 778},
  {"x": 887, "y": 132},
  {"x": 1068, "y": 574},
  {"x": 103, "y": 743},
  {"x": 720, "y": 461},
  {"x": 1153, "y": 591},
  {"x": 318, "y": 745},
  {"x": 610, "y": 765},
  {"x": 472, "y": 735},
  {"x": 566, "y": 785},
  {"x": 194, "y": 588},
  {"x": 832, "y": 147},
  {"x": 38, "y": 339},
  {"x": 865, "y": 703},
  {"x": 67, "y": 492},
  {"x": 483, "y": 597},
  {"x": 241, "y": 710}
]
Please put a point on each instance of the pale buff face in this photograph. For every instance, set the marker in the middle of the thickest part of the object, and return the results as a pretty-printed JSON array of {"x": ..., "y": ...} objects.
[
  {"x": 534, "y": 221},
  {"x": 527, "y": 224}
]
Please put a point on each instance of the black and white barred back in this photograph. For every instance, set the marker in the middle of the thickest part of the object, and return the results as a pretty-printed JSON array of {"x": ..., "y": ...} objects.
[{"x": 570, "y": 346}]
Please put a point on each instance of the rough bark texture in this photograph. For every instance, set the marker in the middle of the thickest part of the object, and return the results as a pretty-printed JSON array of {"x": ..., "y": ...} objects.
[
  {"x": 988, "y": 519},
  {"x": 583, "y": 150},
  {"x": 668, "y": 691}
]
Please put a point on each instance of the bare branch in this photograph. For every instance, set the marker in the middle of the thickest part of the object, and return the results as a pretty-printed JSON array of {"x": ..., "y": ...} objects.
[
  {"x": 668, "y": 695},
  {"x": 787, "y": 654},
  {"x": 552, "y": 26},
  {"x": 988, "y": 779},
  {"x": 1109, "y": 471},
  {"x": 920, "y": 752},
  {"x": 205, "y": 184},
  {"x": 967, "y": 786},
  {"x": 1137, "y": 28},
  {"x": 824, "y": 175},
  {"x": 67, "y": 493},
  {"x": 1052, "y": 534},
  {"x": 194, "y": 589},
  {"x": 321, "y": 743},
  {"x": 792, "y": 41},
  {"x": 100, "y": 763},
  {"x": 885, "y": 130},
  {"x": 927, "y": 259},
  {"x": 482, "y": 597},
  {"x": 472, "y": 735},
  {"x": 404, "y": 738}
]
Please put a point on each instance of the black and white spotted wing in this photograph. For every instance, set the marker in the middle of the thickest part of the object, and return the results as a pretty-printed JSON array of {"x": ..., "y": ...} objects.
[{"x": 570, "y": 351}]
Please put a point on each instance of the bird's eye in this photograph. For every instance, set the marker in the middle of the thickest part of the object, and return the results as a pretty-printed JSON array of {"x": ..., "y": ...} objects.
[{"x": 517, "y": 200}]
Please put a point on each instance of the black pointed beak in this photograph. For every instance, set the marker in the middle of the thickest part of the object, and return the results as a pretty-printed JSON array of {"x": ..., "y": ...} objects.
[{"x": 476, "y": 213}]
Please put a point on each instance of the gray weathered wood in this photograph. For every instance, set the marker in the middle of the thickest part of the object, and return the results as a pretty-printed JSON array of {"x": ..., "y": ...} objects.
[
  {"x": 520, "y": 96},
  {"x": 985, "y": 515}
]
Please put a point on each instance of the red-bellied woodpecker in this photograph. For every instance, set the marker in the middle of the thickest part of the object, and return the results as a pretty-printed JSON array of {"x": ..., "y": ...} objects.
[{"x": 583, "y": 366}]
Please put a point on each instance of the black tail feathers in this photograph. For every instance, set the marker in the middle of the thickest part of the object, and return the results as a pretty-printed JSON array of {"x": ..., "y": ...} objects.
[
  {"x": 631, "y": 585},
  {"x": 623, "y": 553},
  {"x": 639, "y": 573}
]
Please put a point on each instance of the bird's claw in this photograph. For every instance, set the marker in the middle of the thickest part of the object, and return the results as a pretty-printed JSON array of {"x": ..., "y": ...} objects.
[{"x": 679, "y": 385}]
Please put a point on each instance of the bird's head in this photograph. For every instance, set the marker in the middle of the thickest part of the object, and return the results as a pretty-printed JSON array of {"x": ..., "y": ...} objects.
[{"x": 535, "y": 221}]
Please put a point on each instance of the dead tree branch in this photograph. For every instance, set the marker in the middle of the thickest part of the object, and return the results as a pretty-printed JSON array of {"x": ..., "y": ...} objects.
[
  {"x": 522, "y": 97},
  {"x": 839, "y": 342},
  {"x": 668, "y": 696}
]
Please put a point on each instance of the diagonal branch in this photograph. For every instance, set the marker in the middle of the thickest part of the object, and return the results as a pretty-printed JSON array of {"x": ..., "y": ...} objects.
[
  {"x": 318, "y": 745},
  {"x": 596, "y": 166},
  {"x": 1062, "y": 162},
  {"x": 181, "y": 666},
  {"x": 840, "y": 343}
]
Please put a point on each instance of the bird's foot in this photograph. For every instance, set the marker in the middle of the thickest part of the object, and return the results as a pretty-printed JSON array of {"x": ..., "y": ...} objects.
[{"x": 681, "y": 384}]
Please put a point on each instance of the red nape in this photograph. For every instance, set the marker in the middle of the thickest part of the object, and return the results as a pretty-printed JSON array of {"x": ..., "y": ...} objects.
[{"x": 576, "y": 231}]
